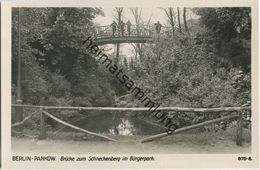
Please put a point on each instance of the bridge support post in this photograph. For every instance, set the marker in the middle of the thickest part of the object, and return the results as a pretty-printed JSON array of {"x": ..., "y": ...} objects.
[
  {"x": 42, "y": 126},
  {"x": 239, "y": 139}
]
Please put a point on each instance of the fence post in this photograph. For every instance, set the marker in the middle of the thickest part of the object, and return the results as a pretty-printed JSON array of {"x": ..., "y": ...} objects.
[
  {"x": 239, "y": 128},
  {"x": 18, "y": 112},
  {"x": 42, "y": 126}
]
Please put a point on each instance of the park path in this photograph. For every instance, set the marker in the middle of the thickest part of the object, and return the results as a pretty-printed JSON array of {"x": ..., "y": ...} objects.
[{"x": 195, "y": 146}]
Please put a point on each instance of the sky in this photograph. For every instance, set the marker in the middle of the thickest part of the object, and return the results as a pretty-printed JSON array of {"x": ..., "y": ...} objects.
[{"x": 155, "y": 14}]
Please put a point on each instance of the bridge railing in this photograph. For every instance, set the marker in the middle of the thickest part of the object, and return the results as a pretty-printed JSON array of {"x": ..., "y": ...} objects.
[{"x": 137, "y": 31}]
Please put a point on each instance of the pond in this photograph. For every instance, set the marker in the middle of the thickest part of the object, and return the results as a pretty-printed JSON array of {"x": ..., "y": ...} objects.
[{"x": 116, "y": 123}]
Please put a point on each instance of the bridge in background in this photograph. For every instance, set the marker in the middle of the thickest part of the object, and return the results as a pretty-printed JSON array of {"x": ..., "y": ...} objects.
[{"x": 145, "y": 34}]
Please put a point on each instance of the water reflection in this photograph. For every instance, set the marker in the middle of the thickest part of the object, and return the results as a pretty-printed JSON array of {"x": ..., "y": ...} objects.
[{"x": 125, "y": 128}]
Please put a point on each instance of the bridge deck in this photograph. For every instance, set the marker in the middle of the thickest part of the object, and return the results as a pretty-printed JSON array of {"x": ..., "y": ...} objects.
[{"x": 126, "y": 39}]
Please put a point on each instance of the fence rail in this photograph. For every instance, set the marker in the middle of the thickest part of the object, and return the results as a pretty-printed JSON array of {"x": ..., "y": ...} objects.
[
  {"x": 177, "y": 109},
  {"x": 75, "y": 127},
  {"x": 43, "y": 111},
  {"x": 189, "y": 128}
]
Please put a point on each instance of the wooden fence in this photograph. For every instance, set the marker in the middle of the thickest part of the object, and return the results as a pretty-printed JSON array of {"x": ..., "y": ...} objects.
[{"x": 43, "y": 110}]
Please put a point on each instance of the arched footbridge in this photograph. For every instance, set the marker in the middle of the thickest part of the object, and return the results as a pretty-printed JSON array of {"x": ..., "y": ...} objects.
[{"x": 145, "y": 34}]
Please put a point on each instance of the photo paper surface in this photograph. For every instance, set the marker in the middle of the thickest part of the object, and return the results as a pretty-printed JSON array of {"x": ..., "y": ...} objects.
[{"x": 109, "y": 84}]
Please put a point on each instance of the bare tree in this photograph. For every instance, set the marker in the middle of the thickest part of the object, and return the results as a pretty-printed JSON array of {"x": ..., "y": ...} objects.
[
  {"x": 184, "y": 21},
  {"x": 179, "y": 19},
  {"x": 137, "y": 16},
  {"x": 118, "y": 17},
  {"x": 171, "y": 16},
  {"x": 137, "y": 13}
]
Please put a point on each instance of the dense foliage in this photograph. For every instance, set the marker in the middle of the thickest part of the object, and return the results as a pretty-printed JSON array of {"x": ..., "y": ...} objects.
[
  {"x": 228, "y": 33},
  {"x": 56, "y": 71},
  {"x": 207, "y": 68}
]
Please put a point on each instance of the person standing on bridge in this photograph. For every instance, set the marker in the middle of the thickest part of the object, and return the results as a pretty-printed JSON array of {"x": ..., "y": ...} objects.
[
  {"x": 122, "y": 27},
  {"x": 128, "y": 25},
  {"x": 158, "y": 27},
  {"x": 113, "y": 25}
]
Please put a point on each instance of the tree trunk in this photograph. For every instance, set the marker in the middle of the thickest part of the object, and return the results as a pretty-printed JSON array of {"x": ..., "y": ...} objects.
[
  {"x": 118, "y": 45},
  {"x": 139, "y": 50},
  {"x": 179, "y": 20},
  {"x": 117, "y": 53},
  {"x": 137, "y": 16},
  {"x": 185, "y": 22},
  {"x": 119, "y": 12},
  {"x": 169, "y": 13},
  {"x": 171, "y": 20},
  {"x": 19, "y": 111}
]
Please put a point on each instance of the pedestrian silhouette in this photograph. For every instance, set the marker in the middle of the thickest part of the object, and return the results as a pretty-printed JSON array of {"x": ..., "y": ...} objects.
[
  {"x": 113, "y": 25},
  {"x": 158, "y": 27},
  {"x": 128, "y": 25},
  {"x": 122, "y": 27}
]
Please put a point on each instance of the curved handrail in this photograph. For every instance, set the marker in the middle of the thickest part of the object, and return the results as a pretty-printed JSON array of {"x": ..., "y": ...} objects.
[{"x": 107, "y": 31}]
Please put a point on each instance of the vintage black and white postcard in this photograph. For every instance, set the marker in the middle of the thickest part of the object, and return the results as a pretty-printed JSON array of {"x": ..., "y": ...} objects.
[{"x": 130, "y": 84}]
